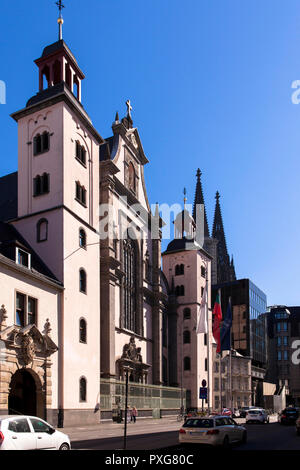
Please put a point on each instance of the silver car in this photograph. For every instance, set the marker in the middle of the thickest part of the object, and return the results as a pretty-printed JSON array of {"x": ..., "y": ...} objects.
[{"x": 213, "y": 430}]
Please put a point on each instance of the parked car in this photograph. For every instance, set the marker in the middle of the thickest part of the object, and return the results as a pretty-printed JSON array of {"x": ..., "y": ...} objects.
[
  {"x": 213, "y": 431},
  {"x": 30, "y": 433},
  {"x": 288, "y": 416},
  {"x": 243, "y": 411},
  {"x": 257, "y": 415}
]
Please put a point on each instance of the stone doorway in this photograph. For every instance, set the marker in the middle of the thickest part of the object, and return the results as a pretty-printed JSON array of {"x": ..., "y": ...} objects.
[{"x": 25, "y": 396}]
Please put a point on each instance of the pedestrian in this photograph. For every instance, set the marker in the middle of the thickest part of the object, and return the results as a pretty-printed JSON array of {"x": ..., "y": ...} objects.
[{"x": 134, "y": 414}]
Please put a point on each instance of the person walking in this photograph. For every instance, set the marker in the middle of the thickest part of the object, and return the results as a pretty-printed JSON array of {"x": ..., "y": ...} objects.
[{"x": 134, "y": 414}]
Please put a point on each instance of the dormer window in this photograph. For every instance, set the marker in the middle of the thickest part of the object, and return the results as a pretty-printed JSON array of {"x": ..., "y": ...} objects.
[
  {"x": 80, "y": 153},
  {"x": 23, "y": 258},
  {"x": 41, "y": 143}
]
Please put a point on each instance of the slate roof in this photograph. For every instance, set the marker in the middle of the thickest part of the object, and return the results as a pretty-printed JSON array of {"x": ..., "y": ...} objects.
[
  {"x": 9, "y": 197},
  {"x": 10, "y": 238}
]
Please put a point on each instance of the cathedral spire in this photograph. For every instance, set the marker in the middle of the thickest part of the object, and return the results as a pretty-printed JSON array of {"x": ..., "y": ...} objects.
[
  {"x": 199, "y": 199},
  {"x": 223, "y": 260}
]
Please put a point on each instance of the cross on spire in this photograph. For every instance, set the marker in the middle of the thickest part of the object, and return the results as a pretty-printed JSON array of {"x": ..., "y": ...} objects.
[
  {"x": 60, "y": 20},
  {"x": 129, "y": 108}
]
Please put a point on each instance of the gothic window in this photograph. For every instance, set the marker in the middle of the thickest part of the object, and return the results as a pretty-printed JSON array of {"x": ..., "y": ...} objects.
[
  {"x": 82, "y": 238},
  {"x": 80, "y": 194},
  {"x": 129, "y": 286},
  {"x": 82, "y": 281},
  {"x": 80, "y": 153},
  {"x": 203, "y": 271},
  {"x": 187, "y": 363},
  {"x": 131, "y": 177},
  {"x": 186, "y": 337},
  {"x": 82, "y": 331},
  {"x": 82, "y": 389},
  {"x": 41, "y": 143},
  {"x": 41, "y": 184},
  {"x": 42, "y": 230},
  {"x": 186, "y": 313}
]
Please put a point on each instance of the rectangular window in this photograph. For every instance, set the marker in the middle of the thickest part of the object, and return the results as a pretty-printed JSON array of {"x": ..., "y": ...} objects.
[
  {"x": 216, "y": 384},
  {"x": 285, "y": 340},
  {"x": 26, "y": 310},
  {"x": 278, "y": 340},
  {"x": 205, "y": 364},
  {"x": 279, "y": 355},
  {"x": 285, "y": 355}
]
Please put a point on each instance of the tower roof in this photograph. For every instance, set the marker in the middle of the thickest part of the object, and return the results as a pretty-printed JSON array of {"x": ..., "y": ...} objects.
[
  {"x": 199, "y": 199},
  {"x": 219, "y": 234}
]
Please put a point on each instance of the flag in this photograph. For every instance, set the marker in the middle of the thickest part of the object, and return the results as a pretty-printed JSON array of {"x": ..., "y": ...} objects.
[
  {"x": 226, "y": 329},
  {"x": 217, "y": 312},
  {"x": 202, "y": 320}
]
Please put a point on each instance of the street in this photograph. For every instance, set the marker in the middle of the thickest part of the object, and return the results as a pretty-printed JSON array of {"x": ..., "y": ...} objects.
[{"x": 157, "y": 435}]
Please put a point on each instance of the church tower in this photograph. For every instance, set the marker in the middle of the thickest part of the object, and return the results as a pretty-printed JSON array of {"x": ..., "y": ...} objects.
[
  {"x": 225, "y": 267},
  {"x": 187, "y": 267},
  {"x": 210, "y": 243},
  {"x": 58, "y": 213}
]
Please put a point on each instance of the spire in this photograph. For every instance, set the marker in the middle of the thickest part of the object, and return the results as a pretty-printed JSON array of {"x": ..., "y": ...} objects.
[
  {"x": 60, "y": 20},
  {"x": 232, "y": 270},
  {"x": 199, "y": 199},
  {"x": 218, "y": 233}
]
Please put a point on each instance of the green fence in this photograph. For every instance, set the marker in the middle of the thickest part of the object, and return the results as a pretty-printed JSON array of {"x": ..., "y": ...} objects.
[{"x": 147, "y": 397}]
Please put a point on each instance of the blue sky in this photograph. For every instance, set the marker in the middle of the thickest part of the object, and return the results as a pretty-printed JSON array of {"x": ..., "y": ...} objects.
[{"x": 210, "y": 82}]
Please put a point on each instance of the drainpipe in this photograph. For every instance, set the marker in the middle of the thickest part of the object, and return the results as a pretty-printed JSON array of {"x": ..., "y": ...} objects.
[{"x": 60, "y": 418}]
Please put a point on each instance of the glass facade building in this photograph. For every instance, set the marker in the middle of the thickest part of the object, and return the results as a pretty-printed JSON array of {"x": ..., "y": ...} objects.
[{"x": 258, "y": 323}]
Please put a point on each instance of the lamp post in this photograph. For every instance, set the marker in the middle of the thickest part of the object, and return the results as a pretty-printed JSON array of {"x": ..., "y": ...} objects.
[{"x": 127, "y": 369}]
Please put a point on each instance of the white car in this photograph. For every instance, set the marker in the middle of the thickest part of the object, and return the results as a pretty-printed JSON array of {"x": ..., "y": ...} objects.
[
  {"x": 30, "y": 433},
  {"x": 256, "y": 415},
  {"x": 214, "y": 431}
]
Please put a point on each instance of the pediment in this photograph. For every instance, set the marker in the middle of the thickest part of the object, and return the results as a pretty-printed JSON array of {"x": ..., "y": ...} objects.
[{"x": 134, "y": 143}]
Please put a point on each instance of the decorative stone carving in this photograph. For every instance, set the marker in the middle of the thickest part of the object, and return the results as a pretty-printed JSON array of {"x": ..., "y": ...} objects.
[
  {"x": 131, "y": 352},
  {"x": 47, "y": 328},
  {"x": 27, "y": 349},
  {"x": 3, "y": 315},
  {"x": 132, "y": 359}
]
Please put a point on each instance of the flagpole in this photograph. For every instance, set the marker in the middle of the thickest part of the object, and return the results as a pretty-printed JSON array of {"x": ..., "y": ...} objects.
[{"x": 207, "y": 343}]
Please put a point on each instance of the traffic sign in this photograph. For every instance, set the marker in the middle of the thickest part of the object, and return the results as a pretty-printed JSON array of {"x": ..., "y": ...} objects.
[{"x": 203, "y": 393}]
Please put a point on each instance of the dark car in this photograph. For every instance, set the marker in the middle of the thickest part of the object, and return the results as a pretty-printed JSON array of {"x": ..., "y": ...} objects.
[{"x": 288, "y": 416}]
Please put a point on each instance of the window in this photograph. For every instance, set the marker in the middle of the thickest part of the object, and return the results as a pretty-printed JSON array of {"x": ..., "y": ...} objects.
[
  {"x": 216, "y": 367},
  {"x": 82, "y": 389},
  {"x": 131, "y": 178},
  {"x": 279, "y": 355},
  {"x": 23, "y": 258},
  {"x": 39, "y": 426},
  {"x": 285, "y": 355},
  {"x": 19, "y": 425},
  {"x": 80, "y": 153},
  {"x": 186, "y": 313},
  {"x": 179, "y": 269},
  {"x": 42, "y": 230},
  {"x": 278, "y": 340},
  {"x": 203, "y": 271},
  {"x": 216, "y": 384},
  {"x": 26, "y": 310},
  {"x": 41, "y": 184},
  {"x": 82, "y": 331},
  {"x": 179, "y": 291},
  {"x": 284, "y": 326},
  {"x": 186, "y": 337},
  {"x": 187, "y": 363},
  {"x": 82, "y": 281},
  {"x": 80, "y": 194},
  {"x": 41, "y": 143},
  {"x": 205, "y": 364},
  {"x": 129, "y": 284},
  {"x": 205, "y": 339},
  {"x": 82, "y": 238},
  {"x": 285, "y": 340}
]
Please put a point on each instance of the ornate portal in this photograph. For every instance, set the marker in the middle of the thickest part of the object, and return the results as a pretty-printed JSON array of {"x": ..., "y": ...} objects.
[{"x": 132, "y": 358}]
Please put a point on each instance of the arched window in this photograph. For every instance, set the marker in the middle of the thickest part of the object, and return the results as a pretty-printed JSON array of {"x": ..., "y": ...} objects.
[
  {"x": 57, "y": 72},
  {"x": 46, "y": 77},
  {"x": 82, "y": 281},
  {"x": 80, "y": 194},
  {"x": 80, "y": 153},
  {"x": 45, "y": 183},
  {"x": 42, "y": 230},
  {"x": 131, "y": 177},
  {"x": 129, "y": 284},
  {"x": 82, "y": 389},
  {"x": 41, "y": 143},
  {"x": 186, "y": 313},
  {"x": 187, "y": 363},
  {"x": 82, "y": 238},
  {"x": 41, "y": 184},
  {"x": 186, "y": 337},
  {"x": 179, "y": 269},
  {"x": 179, "y": 291},
  {"x": 68, "y": 75},
  {"x": 82, "y": 331}
]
